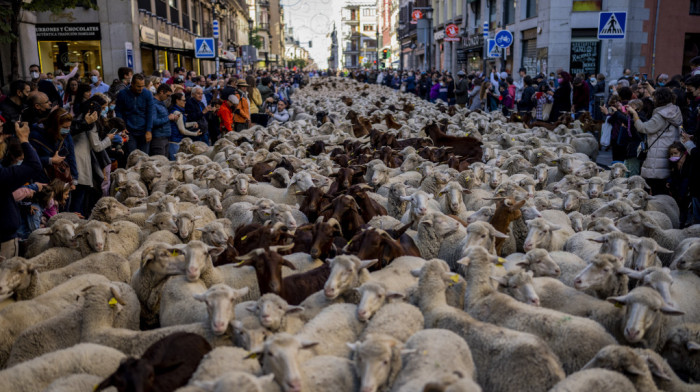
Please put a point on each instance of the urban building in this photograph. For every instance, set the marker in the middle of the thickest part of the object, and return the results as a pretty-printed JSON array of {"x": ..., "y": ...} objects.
[
  {"x": 333, "y": 49},
  {"x": 147, "y": 35},
  {"x": 269, "y": 26},
  {"x": 389, "y": 20},
  {"x": 359, "y": 34},
  {"x": 550, "y": 35}
]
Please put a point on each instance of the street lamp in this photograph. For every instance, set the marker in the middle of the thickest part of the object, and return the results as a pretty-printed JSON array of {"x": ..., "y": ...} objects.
[
  {"x": 402, "y": 26},
  {"x": 216, "y": 40},
  {"x": 429, "y": 16}
]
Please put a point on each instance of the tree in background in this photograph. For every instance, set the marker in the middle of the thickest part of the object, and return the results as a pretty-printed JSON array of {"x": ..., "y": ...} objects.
[
  {"x": 296, "y": 62},
  {"x": 10, "y": 12},
  {"x": 254, "y": 39}
]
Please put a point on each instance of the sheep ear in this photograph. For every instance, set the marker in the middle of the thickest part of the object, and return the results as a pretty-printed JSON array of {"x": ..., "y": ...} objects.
[
  {"x": 649, "y": 225},
  {"x": 501, "y": 280},
  {"x": 200, "y": 297},
  {"x": 620, "y": 300},
  {"x": 407, "y": 351},
  {"x": 670, "y": 310},
  {"x": 657, "y": 368},
  {"x": 395, "y": 295},
  {"x": 555, "y": 227},
  {"x": 307, "y": 344},
  {"x": 405, "y": 198},
  {"x": 202, "y": 229},
  {"x": 498, "y": 234},
  {"x": 664, "y": 251},
  {"x": 256, "y": 353},
  {"x": 238, "y": 293},
  {"x": 599, "y": 240},
  {"x": 353, "y": 346},
  {"x": 215, "y": 250},
  {"x": 692, "y": 346},
  {"x": 294, "y": 309},
  {"x": 252, "y": 308},
  {"x": 522, "y": 264},
  {"x": 631, "y": 273},
  {"x": 367, "y": 263},
  {"x": 415, "y": 272}
]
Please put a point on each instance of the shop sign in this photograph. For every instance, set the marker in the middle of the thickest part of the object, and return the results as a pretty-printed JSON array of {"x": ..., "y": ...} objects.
[
  {"x": 177, "y": 43},
  {"x": 585, "y": 56},
  {"x": 474, "y": 40},
  {"x": 164, "y": 40},
  {"x": 148, "y": 35},
  {"x": 439, "y": 35},
  {"x": 68, "y": 32},
  {"x": 415, "y": 15},
  {"x": 452, "y": 33}
]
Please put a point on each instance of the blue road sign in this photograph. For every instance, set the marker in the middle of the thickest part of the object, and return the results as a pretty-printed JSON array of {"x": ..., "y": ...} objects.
[
  {"x": 504, "y": 38},
  {"x": 611, "y": 25},
  {"x": 130, "y": 58},
  {"x": 486, "y": 29},
  {"x": 215, "y": 28},
  {"x": 204, "y": 48},
  {"x": 494, "y": 51}
]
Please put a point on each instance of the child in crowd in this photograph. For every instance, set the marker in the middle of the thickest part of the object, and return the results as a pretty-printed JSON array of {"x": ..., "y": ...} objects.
[{"x": 679, "y": 181}]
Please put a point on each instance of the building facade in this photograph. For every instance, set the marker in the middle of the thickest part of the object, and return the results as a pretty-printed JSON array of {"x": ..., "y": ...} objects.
[
  {"x": 551, "y": 34},
  {"x": 359, "y": 34},
  {"x": 269, "y": 26},
  {"x": 146, "y": 35}
]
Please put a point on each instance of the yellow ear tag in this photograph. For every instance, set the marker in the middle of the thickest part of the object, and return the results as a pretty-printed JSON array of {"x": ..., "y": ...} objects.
[
  {"x": 466, "y": 134},
  {"x": 539, "y": 154},
  {"x": 501, "y": 261},
  {"x": 252, "y": 356},
  {"x": 112, "y": 302},
  {"x": 512, "y": 139},
  {"x": 244, "y": 237},
  {"x": 269, "y": 173},
  {"x": 467, "y": 179},
  {"x": 174, "y": 254},
  {"x": 618, "y": 305},
  {"x": 349, "y": 242},
  {"x": 95, "y": 387},
  {"x": 454, "y": 278}
]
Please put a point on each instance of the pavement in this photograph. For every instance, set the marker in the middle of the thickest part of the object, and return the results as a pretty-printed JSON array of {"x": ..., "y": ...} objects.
[{"x": 604, "y": 158}]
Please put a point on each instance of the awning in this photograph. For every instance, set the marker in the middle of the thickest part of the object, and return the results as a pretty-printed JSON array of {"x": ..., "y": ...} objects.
[{"x": 184, "y": 52}]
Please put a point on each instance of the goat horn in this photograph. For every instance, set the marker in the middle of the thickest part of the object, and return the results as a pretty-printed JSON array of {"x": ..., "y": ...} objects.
[
  {"x": 282, "y": 248},
  {"x": 251, "y": 254}
]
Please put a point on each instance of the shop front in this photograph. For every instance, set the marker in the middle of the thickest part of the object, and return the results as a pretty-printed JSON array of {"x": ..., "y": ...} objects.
[
  {"x": 149, "y": 41},
  {"x": 529, "y": 51},
  {"x": 585, "y": 52},
  {"x": 62, "y": 46},
  {"x": 471, "y": 53}
]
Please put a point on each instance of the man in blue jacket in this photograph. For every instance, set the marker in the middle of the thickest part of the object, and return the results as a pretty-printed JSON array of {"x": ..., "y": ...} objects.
[
  {"x": 161, "y": 121},
  {"x": 135, "y": 106},
  {"x": 12, "y": 178}
]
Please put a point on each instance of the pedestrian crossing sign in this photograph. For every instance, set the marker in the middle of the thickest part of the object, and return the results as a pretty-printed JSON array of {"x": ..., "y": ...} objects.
[
  {"x": 611, "y": 25},
  {"x": 494, "y": 51},
  {"x": 204, "y": 48}
]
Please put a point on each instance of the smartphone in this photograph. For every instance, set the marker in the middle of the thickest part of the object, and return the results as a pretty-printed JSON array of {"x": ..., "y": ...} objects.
[{"x": 644, "y": 77}]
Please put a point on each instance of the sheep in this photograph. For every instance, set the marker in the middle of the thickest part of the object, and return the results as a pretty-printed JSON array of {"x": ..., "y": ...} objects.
[
  {"x": 108, "y": 210},
  {"x": 396, "y": 319},
  {"x": 396, "y": 206},
  {"x": 323, "y": 373},
  {"x": 545, "y": 235},
  {"x": 37, "y": 374},
  {"x": 624, "y": 360},
  {"x": 178, "y": 304},
  {"x": 236, "y": 381},
  {"x": 216, "y": 233},
  {"x": 641, "y": 225},
  {"x": 131, "y": 188},
  {"x": 662, "y": 203},
  {"x": 522, "y": 361},
  {"x": 21, "y": 279},
  {"x": 577, "y": 221},
  {"x": 451, "y": 200},
  {"x": 92, "y": 237},
  {"x": 244, "y": 213},
  {"x": 664, "y": 376},
  {"x": 557, "y": 328},
  {"x": 518, "y": 284},
  {"x": 681, "y": 350},
  {"x": 161, "y": 236},
  {"x": 428, "y": 359},
  {"x": 602, "y": 277},
  {"x": 646, "y": 317},
  {"x": 60, "y": 234},
  {"x": 123, "y": 238},
  {"x": 211, "y": 198},
  {"x": 166, "y": 365},
  {"x": 538, "y": 261},
  {"x": 300, "y": 182},
  {"x": 50, "y": 334},
  {"x": 688, "y": 259},
  {"x": 275, "y": 314},
  {"x": 587, "y": 244},
  {"x": 645, "y": 254},
  {"x": 19, "y": 316},
  {"x": 595, "y": 379},
  {"x": 222, "y": 360},
  {"x": 186, "y": 192},
  {"x": 420, "y": 203},
  {"x": 477, "y": 233},
  {"x": 332, "y": 328}
]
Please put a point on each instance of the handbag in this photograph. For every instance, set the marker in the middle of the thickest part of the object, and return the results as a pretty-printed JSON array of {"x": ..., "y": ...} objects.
[
  {"x": 60, "y": 171},
  {"x": 643, "y": 149},
  {"x": 605, "y": 132}
]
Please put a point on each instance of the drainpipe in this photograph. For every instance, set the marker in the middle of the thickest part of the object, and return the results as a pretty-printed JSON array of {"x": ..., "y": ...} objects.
[{"x": 653, "y": 50}]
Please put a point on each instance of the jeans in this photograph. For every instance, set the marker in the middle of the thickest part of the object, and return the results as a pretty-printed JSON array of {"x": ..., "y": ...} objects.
[
  {"x": 159, "y": 146},
  {"x": 695, "y": 218},
  {"x": 173, "y": 148},
  {"x": 136, "y": 142}
]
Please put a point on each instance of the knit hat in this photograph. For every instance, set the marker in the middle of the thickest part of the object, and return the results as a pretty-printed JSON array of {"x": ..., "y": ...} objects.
[{"x": 233, "y": 99}]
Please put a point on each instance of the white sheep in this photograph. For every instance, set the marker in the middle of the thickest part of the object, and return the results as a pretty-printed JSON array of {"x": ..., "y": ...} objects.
[
  {"x": 396, "y": 319},
  {"x": 419, "y": 203},
  {"x": 60, "y": 234},
  {"x": 545, "y": 235}
]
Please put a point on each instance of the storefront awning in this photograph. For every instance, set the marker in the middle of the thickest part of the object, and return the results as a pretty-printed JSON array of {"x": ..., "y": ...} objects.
[{"x": 184, "y": 52}]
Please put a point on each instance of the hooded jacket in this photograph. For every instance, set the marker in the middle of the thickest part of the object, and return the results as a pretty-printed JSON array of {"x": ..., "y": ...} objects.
[{"x": 656, "y": 165}]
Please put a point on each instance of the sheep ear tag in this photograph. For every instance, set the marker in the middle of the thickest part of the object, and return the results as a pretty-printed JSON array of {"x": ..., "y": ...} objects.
[
  {"x": 500, "y": 262},
  {"x": 244, "y": 237},
  {"x": 112, "y": 302},
  {"x": 618, "y": 305},
  {"x": 454, "y": 278},
  {"x": 175, "y": 253}
]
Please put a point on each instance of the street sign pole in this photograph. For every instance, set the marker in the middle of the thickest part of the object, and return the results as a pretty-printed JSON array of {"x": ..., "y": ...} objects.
[
  {"x": 215, "y": 30},
  {"x": 486, "y": 45}
]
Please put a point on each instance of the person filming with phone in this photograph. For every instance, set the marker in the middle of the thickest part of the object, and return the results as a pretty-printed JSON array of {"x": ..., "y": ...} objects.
[{"x": 12, "y": 177}]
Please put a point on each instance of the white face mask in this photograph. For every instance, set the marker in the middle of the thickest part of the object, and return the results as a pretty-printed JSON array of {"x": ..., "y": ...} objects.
[{"x": 35, "y": 75}]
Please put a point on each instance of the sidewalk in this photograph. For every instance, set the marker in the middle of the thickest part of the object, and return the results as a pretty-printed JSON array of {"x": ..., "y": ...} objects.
[{"x": 604, "y": 158}]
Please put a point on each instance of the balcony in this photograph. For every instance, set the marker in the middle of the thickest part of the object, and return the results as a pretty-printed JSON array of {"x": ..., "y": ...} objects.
[
  {"x": 264, "y": 26},
  {"x": 351, "y": 21},
  {"x": 352, "y": 50},
  {"x": 264, "y": 3}
]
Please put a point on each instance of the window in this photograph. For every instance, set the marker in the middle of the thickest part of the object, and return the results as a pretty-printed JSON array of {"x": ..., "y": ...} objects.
[
  {"x": 492, "y": 14},
  {"x": 145, "y": 5},
  {"x": 587, "y": 5},
  {"x": 161, "y": 9},
  {"x": 173, "y": 3},
  {"x": 508, "y": 12},
  {"x": 368, "y": 12},
  {"x": 694, "y": 7},
  {"x": 368, "y": 28},
  {"x": 531, "y": 9}
]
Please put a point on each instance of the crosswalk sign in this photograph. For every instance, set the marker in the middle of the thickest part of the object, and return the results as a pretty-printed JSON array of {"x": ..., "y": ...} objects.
[
  {"x": 204, "y": 48},
  {"x": 494, "y": 51},
  {"x": 611, "y": 25}
]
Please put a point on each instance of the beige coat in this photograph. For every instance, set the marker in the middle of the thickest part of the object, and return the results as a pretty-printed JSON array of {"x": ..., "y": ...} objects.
[{"x": 657, "y": 166}]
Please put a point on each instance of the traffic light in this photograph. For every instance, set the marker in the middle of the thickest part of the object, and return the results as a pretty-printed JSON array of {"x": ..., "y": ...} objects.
[{"x": 385, "y": 54}]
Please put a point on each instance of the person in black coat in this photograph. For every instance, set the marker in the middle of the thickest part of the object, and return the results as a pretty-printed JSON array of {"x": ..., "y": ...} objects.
[
  {"x": 13, "y": 177},
  {"x": 562, "y": 97}
]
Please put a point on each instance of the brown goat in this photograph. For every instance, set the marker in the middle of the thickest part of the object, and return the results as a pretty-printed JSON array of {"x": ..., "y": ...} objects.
[
  {"x": 468, "y": 147},
  {"x": 391, "y": 122},
  {"x": 268, "y": 269},
  {"x": 314, "y": 201},
  {"x": 360, "y": 125},
  {"x": 369, "y": 208},
  {"x": 317, "y": 239},
  {"x": 253, "y": 236},
  {"x": 507, "y": 210},
  {"x": 343, "y": 180},
  {"x": 228, "y": 256},
  {"x": 345, "y": 210},
  {"x": 373, "y": 243}
]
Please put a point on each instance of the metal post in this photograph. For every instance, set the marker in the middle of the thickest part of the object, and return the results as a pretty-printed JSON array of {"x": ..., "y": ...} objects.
[
  {"x": 486, "y": 45},
  {"x": 216, "y": 42},
  {"x": 609, "y": 76},
  {"x": 653, "y": 49},
  {"x": 377, "y": 47}
]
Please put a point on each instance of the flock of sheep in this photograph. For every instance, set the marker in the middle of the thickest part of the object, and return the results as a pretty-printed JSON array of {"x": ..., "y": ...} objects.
[{"x": 376, "y": 242}]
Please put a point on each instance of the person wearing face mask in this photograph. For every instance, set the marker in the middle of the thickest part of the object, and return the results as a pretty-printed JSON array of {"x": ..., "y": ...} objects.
[
  {"x": 562, "y": 97},
  {"x": 692, "y": 119},
  {"x": 96, "y": 83},
  {"x": 679, "y": 182},
  {"x": 11, "y": 108},
  {"x": 54, "y": 144},
  {"x": 38, "y": 108}
]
